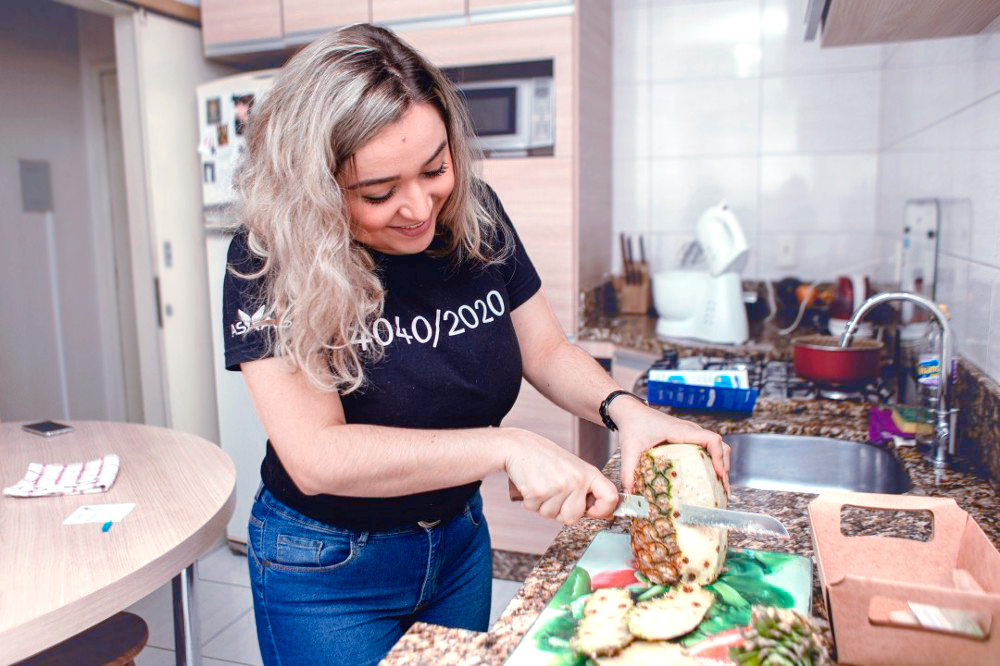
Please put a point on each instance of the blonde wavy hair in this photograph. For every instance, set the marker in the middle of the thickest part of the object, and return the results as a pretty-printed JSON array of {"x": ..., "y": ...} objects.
[{"x": 328, "y": 101}]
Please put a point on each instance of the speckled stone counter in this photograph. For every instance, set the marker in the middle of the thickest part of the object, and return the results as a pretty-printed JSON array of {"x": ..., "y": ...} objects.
[{"x": 427, "y": 644}]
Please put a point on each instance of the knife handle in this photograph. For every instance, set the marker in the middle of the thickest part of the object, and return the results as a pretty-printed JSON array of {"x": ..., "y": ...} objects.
[{"x": 516, "y": 496}]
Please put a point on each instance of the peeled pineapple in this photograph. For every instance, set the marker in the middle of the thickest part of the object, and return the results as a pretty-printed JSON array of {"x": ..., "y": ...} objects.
[
  {"x": 671, "y": 615},
  {"x": 603, "y": 629},
  {"x": 646, "y": 654},
  {"x": 667, "y": 551}
]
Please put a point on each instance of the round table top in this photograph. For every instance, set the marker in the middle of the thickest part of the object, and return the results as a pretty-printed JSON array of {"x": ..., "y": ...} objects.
[{"x": 57, "y": 580}]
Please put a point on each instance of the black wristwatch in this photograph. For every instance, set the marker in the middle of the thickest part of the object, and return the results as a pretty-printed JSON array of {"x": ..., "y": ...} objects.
[{"x": 607, "y": 403}]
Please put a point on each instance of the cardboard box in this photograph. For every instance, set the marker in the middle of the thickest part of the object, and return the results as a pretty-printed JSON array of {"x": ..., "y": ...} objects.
[{"x": 869, "y": 582}]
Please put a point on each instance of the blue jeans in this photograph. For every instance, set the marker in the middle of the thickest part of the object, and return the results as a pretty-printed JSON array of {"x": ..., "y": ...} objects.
[{"x": 324, "y": 595}]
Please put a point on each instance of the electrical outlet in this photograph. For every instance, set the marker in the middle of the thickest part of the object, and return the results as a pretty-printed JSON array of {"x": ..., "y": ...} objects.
[{"x": 785, "y": 254}]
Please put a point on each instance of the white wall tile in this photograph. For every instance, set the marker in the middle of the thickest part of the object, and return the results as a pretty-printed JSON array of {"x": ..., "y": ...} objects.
[
  {"x": 821, "y": 112},
  {"x": 705, "y": 39},
  {"x": 986, "y": 193},
  {"x": 682, "y": 189},
  {"x": 785, "y": 50},
  {"x": 819, "y": 256},
  {"x": 631, "y": 113},
  {"x": 709, "y": 118},
  {"x": 975, "y": 332},
  {"x": 630, "y": 205},
  {"x": 810, "y": 193},
  {"x": 911, "y": 175},
  {"x": 916, "y": 98},
  {"x": 955, "y": 226},
  {"x": 921, "y": 53},
  {"x": 630, "y": 41},
  {"x": 952, "y": 289}
]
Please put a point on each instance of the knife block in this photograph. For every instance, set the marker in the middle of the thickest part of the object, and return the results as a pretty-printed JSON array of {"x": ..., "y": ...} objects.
[{"x": 635, "y": 295}]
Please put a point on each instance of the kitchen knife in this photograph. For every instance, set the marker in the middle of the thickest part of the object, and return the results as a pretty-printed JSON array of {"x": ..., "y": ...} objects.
[
  {"x": 739, "y": 521},
  {"x": 626, "y": 266}
]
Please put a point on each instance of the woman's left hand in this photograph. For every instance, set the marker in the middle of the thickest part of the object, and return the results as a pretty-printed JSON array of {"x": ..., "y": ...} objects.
[{"x": 641, "y": 427}]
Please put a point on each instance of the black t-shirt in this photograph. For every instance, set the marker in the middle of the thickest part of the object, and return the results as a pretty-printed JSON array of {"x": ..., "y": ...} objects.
[{"x": 451, "y": 360}]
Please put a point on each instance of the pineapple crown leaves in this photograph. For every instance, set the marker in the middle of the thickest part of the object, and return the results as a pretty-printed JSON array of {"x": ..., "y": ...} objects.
[{"x": 780, "y": 637}]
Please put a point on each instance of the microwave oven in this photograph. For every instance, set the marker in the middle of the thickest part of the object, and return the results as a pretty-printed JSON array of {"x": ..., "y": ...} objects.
[{"x": 511, "y": 105}]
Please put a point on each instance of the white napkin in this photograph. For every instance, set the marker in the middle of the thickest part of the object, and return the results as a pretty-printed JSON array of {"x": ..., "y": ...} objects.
[{"x": 95, "y": 476}]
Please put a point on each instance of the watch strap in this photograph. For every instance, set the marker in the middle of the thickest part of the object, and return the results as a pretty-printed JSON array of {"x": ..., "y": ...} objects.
[{"x": 603, "y": 411}]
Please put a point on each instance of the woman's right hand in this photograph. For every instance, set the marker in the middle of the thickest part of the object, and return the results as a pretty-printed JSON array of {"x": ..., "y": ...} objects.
[{"x": 553, "y": 482}]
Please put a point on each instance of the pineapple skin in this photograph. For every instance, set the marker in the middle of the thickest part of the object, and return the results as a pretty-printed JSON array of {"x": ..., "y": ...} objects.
[{"x": 667, "y": 551}]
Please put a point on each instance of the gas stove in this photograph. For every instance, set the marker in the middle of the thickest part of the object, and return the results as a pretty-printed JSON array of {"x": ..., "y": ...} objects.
[{"x": 771, "y": 377}]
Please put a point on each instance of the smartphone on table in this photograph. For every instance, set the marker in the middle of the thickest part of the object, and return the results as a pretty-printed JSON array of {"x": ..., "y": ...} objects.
[{"x": 47, "y": 428}]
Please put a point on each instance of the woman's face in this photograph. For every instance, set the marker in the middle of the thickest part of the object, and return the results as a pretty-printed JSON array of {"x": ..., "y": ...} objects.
[{"x": 398, "y": 182}]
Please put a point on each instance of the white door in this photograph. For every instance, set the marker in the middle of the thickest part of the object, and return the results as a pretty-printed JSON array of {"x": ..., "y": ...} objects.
[{"x": 124, "y": 297}]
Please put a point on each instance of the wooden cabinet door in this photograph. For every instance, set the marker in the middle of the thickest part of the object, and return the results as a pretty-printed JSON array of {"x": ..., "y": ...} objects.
[
  {"x": 311, "y": 17},
  {"x": 233, "y": 21},
  {"x": 385, "y": 11},
  {"x": 488, "y": 5}
]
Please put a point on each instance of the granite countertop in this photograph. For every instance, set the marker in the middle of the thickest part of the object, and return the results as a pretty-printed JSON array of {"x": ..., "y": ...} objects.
[{"x": 428, "y": 644}]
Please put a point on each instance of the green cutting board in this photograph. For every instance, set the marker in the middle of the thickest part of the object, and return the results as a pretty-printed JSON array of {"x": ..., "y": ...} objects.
[{"x": 750, "y": 578}]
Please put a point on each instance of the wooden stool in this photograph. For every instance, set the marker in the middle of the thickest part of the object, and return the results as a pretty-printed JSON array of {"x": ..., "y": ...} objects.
[{"x": 114, "y": 642}]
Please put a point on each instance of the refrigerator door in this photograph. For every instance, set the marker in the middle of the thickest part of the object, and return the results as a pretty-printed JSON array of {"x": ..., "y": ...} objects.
[
  {"x": 223, "y": 108},
  {"x": 240, "y": 432}
]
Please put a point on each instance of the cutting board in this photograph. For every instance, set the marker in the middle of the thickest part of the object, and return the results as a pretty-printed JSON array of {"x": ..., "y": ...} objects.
[{"x": 750, "y": 578}]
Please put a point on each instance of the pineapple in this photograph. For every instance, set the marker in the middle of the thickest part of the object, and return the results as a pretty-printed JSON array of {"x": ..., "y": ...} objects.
[
  {"x": 667, "y": 551},
  {"x": 640, "y": 653},
  {"x": 670, "y": 616},
  {"x": 603, "y": 629},
  {"x": 780, "y": 637}
]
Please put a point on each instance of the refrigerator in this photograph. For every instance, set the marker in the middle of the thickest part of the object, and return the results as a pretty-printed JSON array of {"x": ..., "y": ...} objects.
[{"x": 224, "y": 105}]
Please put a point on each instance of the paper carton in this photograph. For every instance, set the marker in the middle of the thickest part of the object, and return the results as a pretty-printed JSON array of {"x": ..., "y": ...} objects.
[{"x": 884, "y": 594}]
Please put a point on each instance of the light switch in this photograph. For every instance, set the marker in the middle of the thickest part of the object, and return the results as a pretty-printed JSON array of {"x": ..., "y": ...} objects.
[{"x": 36, "y": 186}]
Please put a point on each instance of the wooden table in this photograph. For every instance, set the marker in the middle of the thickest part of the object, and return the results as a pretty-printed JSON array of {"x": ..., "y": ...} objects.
[{"x": 57, "y": 580}]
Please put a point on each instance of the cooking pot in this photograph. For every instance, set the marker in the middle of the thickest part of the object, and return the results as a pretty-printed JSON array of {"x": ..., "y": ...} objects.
[{"x": 821, "y": 359}]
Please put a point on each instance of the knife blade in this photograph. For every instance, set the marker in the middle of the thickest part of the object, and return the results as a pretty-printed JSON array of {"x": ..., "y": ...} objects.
[{"x": 738, "y": 521}]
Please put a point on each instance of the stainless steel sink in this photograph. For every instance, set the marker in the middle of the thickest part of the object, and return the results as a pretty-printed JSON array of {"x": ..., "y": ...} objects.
[{"x": 805, "y": 464}]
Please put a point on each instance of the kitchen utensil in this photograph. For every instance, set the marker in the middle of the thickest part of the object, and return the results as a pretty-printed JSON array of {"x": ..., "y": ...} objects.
[
  {"x": 707, "y": 305},
  {"x": 739, "y": 521},
  {"x": 633, "y": 274},
  {"x": 626, "y": 263},
  {"x": 821, "y": 359}
]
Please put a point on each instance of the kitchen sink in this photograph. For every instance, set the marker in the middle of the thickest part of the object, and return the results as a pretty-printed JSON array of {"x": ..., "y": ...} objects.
[{"x": 807, "y": 464}]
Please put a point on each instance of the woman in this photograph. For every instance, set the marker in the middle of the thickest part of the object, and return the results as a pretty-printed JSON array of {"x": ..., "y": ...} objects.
[{"x": 383, "y": 311}]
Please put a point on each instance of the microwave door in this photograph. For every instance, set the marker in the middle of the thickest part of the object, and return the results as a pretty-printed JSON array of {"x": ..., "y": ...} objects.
[{"x": 501, "y": 117}]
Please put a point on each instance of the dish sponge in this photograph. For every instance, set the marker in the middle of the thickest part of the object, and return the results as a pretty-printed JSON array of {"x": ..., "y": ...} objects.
[{"x": 913, "y": 420}]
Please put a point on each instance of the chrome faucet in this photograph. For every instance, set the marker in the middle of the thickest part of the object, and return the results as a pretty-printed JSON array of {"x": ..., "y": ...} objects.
[{"x": 944, "y": 424}]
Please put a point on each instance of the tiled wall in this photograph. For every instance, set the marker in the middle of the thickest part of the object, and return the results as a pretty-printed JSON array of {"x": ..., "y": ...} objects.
[
  {"x": 725, "y": 100},
  {"x": 940, "y": 126}
]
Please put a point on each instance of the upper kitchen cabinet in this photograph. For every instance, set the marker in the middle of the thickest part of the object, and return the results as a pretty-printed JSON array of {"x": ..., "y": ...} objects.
[
  {"x": 476, "y": 6},
  {"x": 391, "y": 11},
  {"x": 307, "y": 19},
  {"x": 850, "y": 22},
  {"x": 241, "y": 26}
]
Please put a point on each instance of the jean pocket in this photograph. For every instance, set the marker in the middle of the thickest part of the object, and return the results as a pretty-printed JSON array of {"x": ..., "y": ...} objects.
[
  {"x": 312, "y": 553},
  {"x": 474, "y": 510}
]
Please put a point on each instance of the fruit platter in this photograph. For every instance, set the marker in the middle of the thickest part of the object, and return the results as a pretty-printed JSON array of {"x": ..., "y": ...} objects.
[{"x": 673, "y": 593}]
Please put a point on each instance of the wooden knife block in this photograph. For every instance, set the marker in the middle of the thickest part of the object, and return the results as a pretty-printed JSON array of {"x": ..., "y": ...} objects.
[{"x": 636, "y": 296}]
